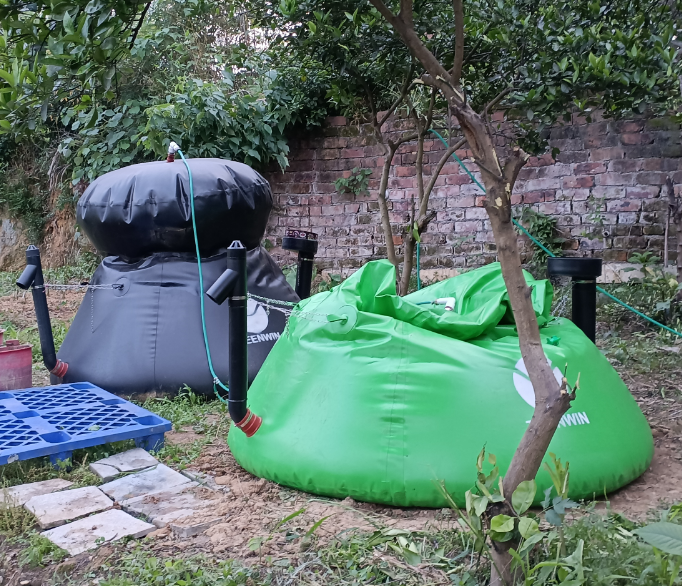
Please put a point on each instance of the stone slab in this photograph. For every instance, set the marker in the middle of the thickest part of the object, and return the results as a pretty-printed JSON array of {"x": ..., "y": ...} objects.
[
  {"x": 103, "y": 471},
  {"x": 52, "y": 510},
  {"x": 155, "y": 479},
  {"x": 18, "y": 496},
  {"x": 164, "y": 507},
  {"x": 192, "y": 529},
  {"x": 130, "y": 461},
  {"x": 102, "y": 528}
]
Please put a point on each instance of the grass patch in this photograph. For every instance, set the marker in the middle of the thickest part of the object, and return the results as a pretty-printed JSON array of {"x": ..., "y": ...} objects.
[
  {"x": 138, "y": 569},
  {"x": 186, "y": 408},
  {"x": 40, "y": 551},
  {"x": 30, "y": 335},
  {"x": 14, "y": 521},
  {"x": 202, "y": 415},
  {"x": 80, "y": 270},
  {"x": 38, "y": 469}
]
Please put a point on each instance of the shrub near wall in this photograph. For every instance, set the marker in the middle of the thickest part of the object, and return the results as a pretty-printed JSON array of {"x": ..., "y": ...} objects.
[{"x": 604, "y": 190}]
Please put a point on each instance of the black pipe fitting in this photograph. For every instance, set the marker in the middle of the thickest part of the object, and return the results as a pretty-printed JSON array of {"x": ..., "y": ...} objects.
[
  {"x": 231, "y": 285},
  {"x": 305, "y": 243},
  {"x": 584, "y": 273},
  {"x": 32, "y": 278}
]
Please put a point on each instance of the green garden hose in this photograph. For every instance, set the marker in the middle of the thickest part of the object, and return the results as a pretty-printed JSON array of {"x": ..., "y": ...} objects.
[
  {"x": 216, "y": 381},
  {"x": 550, "y": 253}
]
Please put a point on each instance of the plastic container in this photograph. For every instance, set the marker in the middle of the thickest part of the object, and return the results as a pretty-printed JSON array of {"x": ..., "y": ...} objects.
[{"x": 16, "y": 361}]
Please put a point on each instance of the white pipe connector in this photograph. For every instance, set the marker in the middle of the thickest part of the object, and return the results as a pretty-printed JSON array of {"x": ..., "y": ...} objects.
[
  {"x": 173, "y": 148},
  {"x": 449, "y": 303}
]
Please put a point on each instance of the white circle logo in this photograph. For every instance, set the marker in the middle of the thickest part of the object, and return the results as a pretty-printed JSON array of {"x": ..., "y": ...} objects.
[
  {"x": 523, "y": 385},
  {"x": 256, "y": 317}
]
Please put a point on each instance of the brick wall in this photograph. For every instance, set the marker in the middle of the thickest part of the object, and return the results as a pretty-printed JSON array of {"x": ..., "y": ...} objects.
[{"x": 622, "y": 163}]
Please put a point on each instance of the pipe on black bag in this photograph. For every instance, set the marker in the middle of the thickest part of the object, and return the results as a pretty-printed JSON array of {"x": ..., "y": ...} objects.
[{"x": 32, "y": 278}]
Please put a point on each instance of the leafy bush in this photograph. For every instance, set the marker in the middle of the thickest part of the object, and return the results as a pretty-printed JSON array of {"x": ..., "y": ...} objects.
[{"x": 654, "y": 294}]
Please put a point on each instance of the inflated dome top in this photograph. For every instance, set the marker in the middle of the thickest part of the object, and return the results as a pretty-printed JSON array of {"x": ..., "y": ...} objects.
[{"x": 141, "y": 209}]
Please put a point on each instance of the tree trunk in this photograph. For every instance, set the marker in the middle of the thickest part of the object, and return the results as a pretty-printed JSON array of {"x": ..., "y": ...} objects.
[
  {"x": 675, "y": 214},
  {"x": 551, "y": 400}
]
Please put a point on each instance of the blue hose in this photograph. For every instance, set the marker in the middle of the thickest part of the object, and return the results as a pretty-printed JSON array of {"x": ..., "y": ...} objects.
[
  {"x": 216, "y": 380},
  {"x": 550, "y": 253}
]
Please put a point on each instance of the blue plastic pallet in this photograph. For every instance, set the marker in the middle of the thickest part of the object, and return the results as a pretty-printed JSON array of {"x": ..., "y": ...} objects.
[{"x": 53, "y": 421}]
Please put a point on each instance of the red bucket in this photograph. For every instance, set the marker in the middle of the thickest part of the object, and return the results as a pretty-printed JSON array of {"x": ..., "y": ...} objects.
[{"x": 16, "y": 361}]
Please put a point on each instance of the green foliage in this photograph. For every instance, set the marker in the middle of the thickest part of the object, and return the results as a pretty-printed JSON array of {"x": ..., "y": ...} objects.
[
  {"x": 596, "y": 206},
  {"x": 40, "y": 551},
  {"x": 80, "y": 270},
  {"x": 113, "y": 85},
  {"x": 24, "y": 193},
  {"x": 544, "y": 230},
  {"x": 140, "y": 569},
  {"x": 186, "y": 408},
  {"x": 29, "y": 335},
  {"x": 14, "y": 521},
  {"x": 551, "y": 58},
  {"x": 654, "y": 294},
  {"x": 357, "y": 183},
  {"x": 206, "y": 418}
]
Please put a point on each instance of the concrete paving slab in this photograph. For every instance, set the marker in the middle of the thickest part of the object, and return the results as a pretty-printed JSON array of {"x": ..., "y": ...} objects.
[
  {"x": 52, "y": 510},
  {"x": 90, "y": 532},
  {"x": 130, "y": 461},
  {"x": 183, "y": 531},
  {"x": 17, "y": 496},
  {"x": 164, "y": 507},
  {"x": 155, "y": 479},
  {"x": 103, "y": 471}
]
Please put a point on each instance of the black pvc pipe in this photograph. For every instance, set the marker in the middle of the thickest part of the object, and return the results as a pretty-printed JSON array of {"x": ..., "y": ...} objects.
[
  {"x": 584, "y": 311},
  {"x": 305, "y": 243},
  {"x": 239, "y": 368},
  {"x": 304, "y": 274},
  {"x": 33, "y": 277},
  {"x": 584, "y": 273}
]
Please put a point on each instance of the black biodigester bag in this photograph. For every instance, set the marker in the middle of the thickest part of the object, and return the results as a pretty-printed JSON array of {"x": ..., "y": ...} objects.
[{"x": 145, "y": 334}]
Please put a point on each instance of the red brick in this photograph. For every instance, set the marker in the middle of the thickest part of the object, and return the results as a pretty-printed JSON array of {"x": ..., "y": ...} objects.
[
  {"x": 637, "y": 138},
  {"x": 624, "y": 205},
  {"x": 615, "y": 179},
  {"x": 607, "y": 154},
  {"x": 405, "y": 171},
  {"x": 588, "y": 168},
  {"x": 573, "y": 182},
  {"x": 533, "y": 197}
]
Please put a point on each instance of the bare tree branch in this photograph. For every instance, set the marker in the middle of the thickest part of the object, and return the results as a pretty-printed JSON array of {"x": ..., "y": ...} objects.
[{"x": 404, "y": 90}]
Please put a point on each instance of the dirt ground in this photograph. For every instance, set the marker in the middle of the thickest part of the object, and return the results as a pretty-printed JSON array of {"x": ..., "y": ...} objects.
[{"x": 252, "y": 507}]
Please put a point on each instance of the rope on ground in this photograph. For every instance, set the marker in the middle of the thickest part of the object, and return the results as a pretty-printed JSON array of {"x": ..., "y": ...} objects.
[{"x": 550, "y": 253}]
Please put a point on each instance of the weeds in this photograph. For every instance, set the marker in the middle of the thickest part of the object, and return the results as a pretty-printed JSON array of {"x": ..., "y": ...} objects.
[
  {"x": 137, "y": 569},
  {"x": 30, "y": 335},
  {"x": 39, "y": 469},
  {"x": 207, "y": 418},
  {"x": 40, "y": 551},
  {"x": 80, "y": 270},
  {"x": 13, "y": 520}
]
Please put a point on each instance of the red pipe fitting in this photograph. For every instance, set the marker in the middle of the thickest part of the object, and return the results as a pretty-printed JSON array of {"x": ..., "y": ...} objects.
[
  {"x": 60, "y": 369},
  {"x": 250, "y": 424}
]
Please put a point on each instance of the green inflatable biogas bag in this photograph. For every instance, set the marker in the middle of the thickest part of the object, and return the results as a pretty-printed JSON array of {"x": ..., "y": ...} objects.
[{"x": 375, "y": 396}]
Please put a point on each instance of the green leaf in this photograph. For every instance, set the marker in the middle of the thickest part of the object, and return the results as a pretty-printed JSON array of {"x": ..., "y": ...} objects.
[
  {"x": 523, "y": 496},
  {"x": 528, "y": 527},
  {"x": 664, "y": 536},
  {"x": 502, "y": 523}
]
